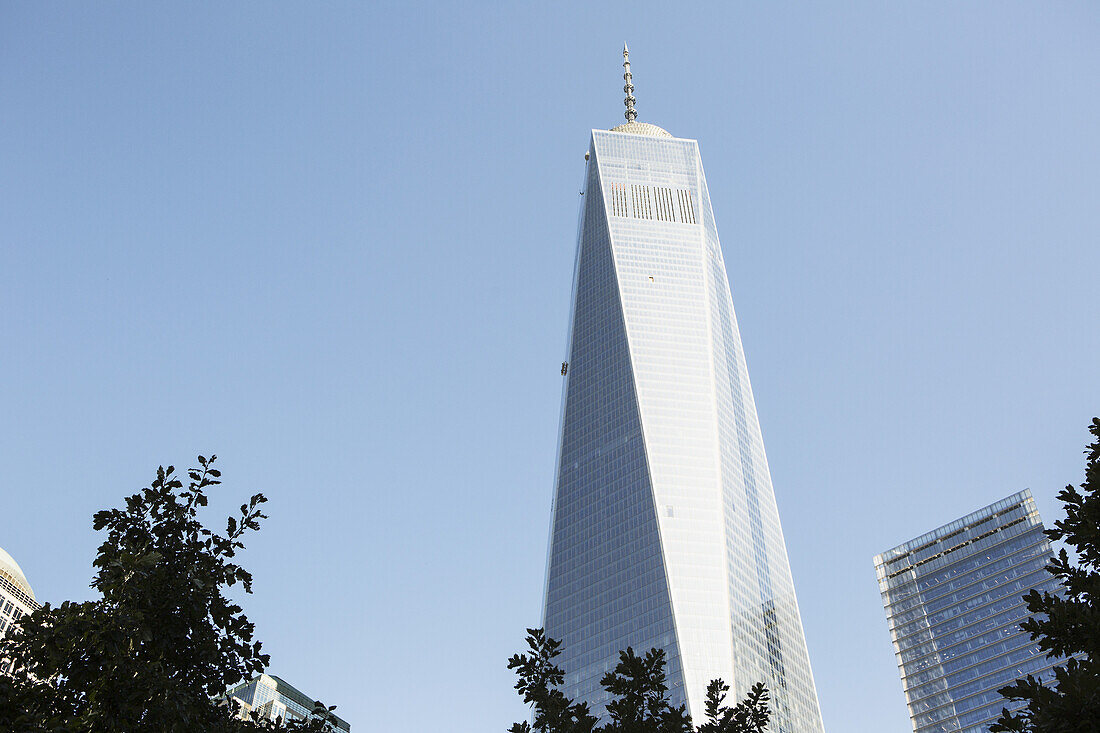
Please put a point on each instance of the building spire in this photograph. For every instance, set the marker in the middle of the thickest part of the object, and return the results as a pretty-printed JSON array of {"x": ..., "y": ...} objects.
[{"x": 631, "y": 114}]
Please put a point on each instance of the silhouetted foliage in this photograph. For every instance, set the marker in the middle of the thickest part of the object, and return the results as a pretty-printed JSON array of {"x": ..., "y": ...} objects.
[
  {"x": 162, "y": 642},
  {"x": 641, "y": 702},
  {"x": 1067, "y": 626},
  {"x": 748, "y": 716},
  {"x": 539, "y": 679}
]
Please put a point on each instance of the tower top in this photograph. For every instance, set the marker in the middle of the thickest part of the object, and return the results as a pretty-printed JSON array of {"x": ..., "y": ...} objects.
[
  {"x": 632, "y": 125},
  {"x": 10, "y": 570},
  {"x": 631, "y": 114}
]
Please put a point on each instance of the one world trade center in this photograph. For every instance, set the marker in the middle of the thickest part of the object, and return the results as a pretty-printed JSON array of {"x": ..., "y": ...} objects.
[{"x": 664, "y": 529}]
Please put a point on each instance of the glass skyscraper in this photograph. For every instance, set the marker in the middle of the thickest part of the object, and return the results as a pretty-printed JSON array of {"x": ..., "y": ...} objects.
[
  {"x": 665, "y": 531},
  {"x": 953, "y": 600}
]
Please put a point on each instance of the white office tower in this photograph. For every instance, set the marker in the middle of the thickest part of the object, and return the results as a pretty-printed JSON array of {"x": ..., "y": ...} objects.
[
  {"x": 665, "y": 531},
  {"x": 16, "y": 597}
]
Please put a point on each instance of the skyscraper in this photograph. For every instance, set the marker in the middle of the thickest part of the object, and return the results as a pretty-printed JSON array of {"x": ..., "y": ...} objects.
[
  {"x": 664, "y": 529},
  {"x": 953, "y": 600}
]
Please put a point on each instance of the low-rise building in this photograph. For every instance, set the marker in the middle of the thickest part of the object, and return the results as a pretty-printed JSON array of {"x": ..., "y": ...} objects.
[{"x": 274, "y": 698}]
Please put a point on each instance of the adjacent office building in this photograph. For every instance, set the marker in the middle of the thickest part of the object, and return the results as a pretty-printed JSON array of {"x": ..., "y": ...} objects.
[
  {"x": 953, "y": 600},
  {"x": 16, "y": 596},
  {"x": 664, "y": 529},
  {"x": 275, "y": 699}
]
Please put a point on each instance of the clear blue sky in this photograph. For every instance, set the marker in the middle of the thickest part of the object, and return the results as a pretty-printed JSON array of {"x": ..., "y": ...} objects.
[{"x": 333, "y": 244}]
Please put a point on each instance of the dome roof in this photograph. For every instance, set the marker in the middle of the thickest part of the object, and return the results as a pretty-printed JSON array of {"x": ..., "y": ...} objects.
[
  {"x": 9, "y": 567},
  {"x": 642, "y": 128}
]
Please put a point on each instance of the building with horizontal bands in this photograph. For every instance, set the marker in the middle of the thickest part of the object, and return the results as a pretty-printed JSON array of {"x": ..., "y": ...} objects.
[
  {"x": 954, "y": 603},
  {"x": 16, "y": 597}
]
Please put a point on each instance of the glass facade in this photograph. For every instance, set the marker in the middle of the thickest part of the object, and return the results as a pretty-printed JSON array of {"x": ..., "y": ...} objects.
[
  {"x": 953, "y": 600},
  {"x": 665, "y": 531},
  {"x": 273, "y": 698}
]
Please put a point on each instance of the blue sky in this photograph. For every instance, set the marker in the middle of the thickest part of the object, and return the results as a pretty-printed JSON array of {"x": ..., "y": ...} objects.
[{"x": 333, "y": 244}]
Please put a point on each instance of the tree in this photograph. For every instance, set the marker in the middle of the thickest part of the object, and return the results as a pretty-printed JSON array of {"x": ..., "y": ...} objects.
[
  {"x": 162, "y": 642},
  {"x": 748, "y": 716},
  {"x": 1067, "y": 625},
  {"x": 539, "y": 679},
  {"x": 641, "y": 702}
]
